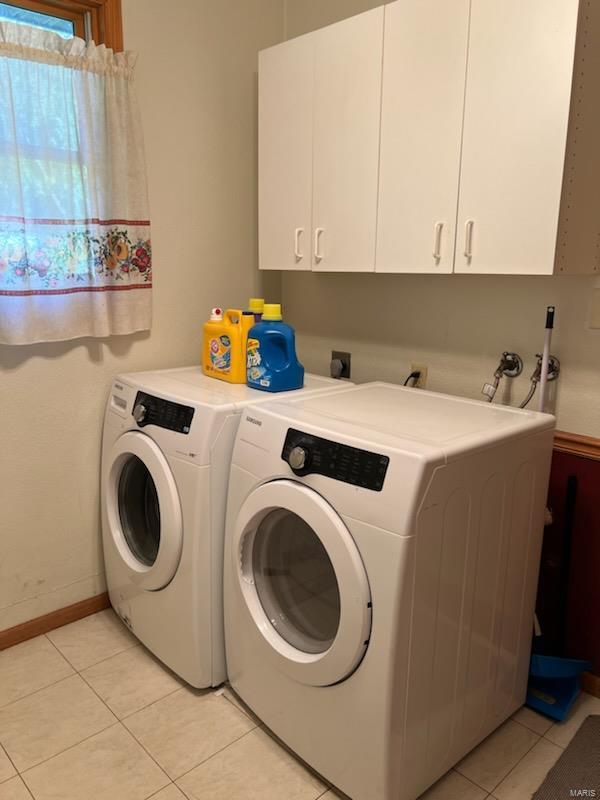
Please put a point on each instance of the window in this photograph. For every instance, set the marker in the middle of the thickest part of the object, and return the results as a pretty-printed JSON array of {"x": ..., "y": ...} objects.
[
  {"x": 75, "y": 251},
  {"x": 64, "y": 27},
  {"x": 99, "y": 20}
]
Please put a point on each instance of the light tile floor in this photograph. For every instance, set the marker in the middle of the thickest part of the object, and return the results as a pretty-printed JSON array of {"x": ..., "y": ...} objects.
[{"x": 86, "y": 713}]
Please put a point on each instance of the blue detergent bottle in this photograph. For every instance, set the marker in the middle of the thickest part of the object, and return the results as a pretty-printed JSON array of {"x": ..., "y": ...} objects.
[{"x": 272, "y": 364}]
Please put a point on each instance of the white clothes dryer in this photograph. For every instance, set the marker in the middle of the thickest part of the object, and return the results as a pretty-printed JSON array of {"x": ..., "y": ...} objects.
[
  {"x": 381, "y": 559},
  {"x": 167, "y": 443}
]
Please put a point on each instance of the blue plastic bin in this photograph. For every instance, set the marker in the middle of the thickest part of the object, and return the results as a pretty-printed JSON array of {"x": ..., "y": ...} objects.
[{"x": 554, "y": 684}]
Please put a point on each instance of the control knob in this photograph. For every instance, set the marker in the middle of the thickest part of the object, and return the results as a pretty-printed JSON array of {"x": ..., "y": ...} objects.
[
  {"x": 139, "y": 413},
  {"x": 298, "y": 457}
]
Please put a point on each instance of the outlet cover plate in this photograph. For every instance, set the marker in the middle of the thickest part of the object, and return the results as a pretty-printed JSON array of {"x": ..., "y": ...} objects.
[
  {"x": 422, "y": 368},
  {"x": 346, "y": 359}
]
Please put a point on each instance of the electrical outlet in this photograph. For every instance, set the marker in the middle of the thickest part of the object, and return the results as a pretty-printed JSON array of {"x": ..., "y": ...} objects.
[
  {"x": 340, "y": 364},
  {"x": 422, "y": 368}
]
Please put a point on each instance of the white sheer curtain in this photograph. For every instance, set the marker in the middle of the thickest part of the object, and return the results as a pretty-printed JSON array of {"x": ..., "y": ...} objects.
[{"x": 75, "y": 254}]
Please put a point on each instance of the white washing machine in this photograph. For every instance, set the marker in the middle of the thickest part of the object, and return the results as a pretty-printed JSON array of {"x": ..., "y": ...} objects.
[
  {"x": 166, "y": 453},
  {"x": 381, "y": 560}
]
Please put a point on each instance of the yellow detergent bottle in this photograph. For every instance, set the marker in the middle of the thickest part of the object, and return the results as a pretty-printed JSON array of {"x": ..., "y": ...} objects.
[
  {"x": 224, "y": 349},
  {"x": 256, "y": 306}
]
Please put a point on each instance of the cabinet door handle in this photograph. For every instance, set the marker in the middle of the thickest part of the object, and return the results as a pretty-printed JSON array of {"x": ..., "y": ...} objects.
[
  {"x": 469, "y": 239},
  {"x": 318, "y": 254},
  {"x": 437, "y": 240},
  {"x": 297, "y": 252}
]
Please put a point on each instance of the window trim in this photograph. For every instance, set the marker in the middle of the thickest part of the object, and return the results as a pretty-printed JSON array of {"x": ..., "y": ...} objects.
[{"x": 102, "y": 19}]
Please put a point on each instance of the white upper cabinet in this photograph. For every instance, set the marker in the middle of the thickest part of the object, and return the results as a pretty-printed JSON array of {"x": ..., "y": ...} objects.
[
  {"x": 285, "y": 151},
  {"x": 425, "y": 47},
  {"x": 346, "y": 143},
  {"x": 434, "y": 136},
  {"x": 515, "y": 129}
]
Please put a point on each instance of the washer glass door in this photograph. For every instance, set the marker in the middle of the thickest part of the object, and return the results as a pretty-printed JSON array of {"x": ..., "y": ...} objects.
[
  {"x": 303, "y": 582},
  {"x": 139, "y": 510},
  {"x": 143, "y": 510}
]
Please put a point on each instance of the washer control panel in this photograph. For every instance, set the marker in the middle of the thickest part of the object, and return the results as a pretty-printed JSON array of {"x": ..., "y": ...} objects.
[
  {"x": 150, "y": 410},
  {"x": 310, "y": 455}
]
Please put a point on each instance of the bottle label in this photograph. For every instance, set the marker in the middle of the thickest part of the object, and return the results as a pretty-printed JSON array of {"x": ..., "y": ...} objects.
[
  {"x": 256, "y": 371},
  {"x": 220, "y": 354}
]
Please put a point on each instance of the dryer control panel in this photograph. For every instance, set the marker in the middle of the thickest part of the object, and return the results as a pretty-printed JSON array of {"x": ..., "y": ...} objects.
[
  {"x": 307, "y": 454},
  {"x": 150, "y": 410}
]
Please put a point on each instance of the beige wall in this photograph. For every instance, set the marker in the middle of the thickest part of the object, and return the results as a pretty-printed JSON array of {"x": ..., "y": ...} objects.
[
  {"x": 196, "y": 81},
  {"x": 456, "y": 325}
]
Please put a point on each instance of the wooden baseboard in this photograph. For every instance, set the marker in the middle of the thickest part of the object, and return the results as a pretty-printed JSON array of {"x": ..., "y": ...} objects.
[
  {"x": 55, "y": 619},
  {"x": 590, "y": 683},
  {"x": 577, "y": 445}
]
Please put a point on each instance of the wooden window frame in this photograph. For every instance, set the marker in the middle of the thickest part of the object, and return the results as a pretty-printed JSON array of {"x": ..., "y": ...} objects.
[{"x": 100, "y": 20}]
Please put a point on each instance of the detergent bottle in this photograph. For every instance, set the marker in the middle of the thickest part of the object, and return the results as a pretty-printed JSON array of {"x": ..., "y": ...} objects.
[
  {"x": 224, "y": 349},
  {"x": 248, "y": 320},
  {"x": 272, "y": 364},
  {"x": 256, "y": 306}
]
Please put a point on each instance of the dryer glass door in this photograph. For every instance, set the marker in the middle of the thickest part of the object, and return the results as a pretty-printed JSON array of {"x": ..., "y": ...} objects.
[
  {"x": 143, "y": 510},
  {"x": 295, "y": 581},
  {"x": 303, "y": 582}
]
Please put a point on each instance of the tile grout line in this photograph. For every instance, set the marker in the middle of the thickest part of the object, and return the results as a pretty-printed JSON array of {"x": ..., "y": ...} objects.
[
  {"x": 208, "y": 758},
  {"x": 116, "y": 724},
  {"x": 134, "y": 737},
  {"x": 559, "y": 745},
  {"x": 37, "y": 691},
  {"x": 19, "y": 777},
  {"x": 11, "y": 762},
  {"x": 307, "y": 767},
  {"x": 522, "y": 724},
  {"x": 102, "y": 660},
  {"x": 116, "y": 721},
  {"x": 203, "y": 760},
  {"x": 150, "y": 756},
  {"x": 519, "y": 761},
  {"x": 41, "y": 688},
  {"x": 125, "y": 728},
  {"x": 133, "y": 644},
  {"x": 66, "y": 750},
  {"x": 95, "y": 663},
  {"x": 89, "y": 685},
  {"x": 250, "y": 714},
  {"x": 58, "y": 753},
  {"x": 27, "y": 789},
  {"x": 483, "y": 788},
  {"x": 95, "y": 693},
  {"x": 539, "y": 735},
  {"x": 144, "y": 708},
  {"x": 155, "y": 794}
]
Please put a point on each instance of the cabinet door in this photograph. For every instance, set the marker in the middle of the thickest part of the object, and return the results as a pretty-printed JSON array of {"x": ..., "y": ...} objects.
[
  {"x": 424, "y": 65},
  {"x": 346, "y": 143},
  {"x": 516, "y": 115},
  {"x": 285, "y": 121}
]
